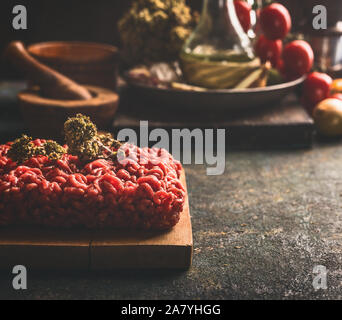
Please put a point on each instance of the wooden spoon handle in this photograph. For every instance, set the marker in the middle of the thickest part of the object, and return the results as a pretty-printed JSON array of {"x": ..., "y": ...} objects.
[{"x": 53, "y": 84}]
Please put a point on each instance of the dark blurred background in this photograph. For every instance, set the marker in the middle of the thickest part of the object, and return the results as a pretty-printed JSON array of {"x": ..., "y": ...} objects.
[
  {"x": 92, "y": 20},
  {"x": 83, "y": 20}
]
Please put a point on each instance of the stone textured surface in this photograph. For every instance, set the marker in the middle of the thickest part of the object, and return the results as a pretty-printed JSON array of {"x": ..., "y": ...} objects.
[{"x": 259, "y": 230}]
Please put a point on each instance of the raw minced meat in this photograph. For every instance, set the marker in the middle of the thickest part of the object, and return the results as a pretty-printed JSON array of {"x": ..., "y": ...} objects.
[{"x": 143, "y": 191}]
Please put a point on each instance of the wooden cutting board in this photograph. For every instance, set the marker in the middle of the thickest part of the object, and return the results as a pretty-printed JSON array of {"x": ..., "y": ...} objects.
[
  {"x": 282, "y": 126},
  {"x": 51, "y": 249}
]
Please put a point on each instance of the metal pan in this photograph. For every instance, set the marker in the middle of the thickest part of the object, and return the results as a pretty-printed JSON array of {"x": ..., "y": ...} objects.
[{"x": 223, "y": 100}]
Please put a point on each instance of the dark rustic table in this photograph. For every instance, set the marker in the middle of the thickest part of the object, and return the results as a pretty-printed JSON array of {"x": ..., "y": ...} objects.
[{"x": 259, "y": 230}]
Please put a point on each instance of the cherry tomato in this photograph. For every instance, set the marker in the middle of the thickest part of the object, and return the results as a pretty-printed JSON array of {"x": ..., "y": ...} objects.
[
  {"x": 336, "y": 86},
  {"x": 275, "y": 21},
  {"x": 298, "y": 59},
  {"x": 243, "y": 11},
  {"x": 316, "y": 88},
  {"x": 269, "y": 50},
  {"x": 280, "y": 66}
]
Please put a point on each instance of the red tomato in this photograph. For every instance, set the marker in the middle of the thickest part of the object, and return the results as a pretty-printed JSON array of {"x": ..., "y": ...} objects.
[
  {"x": 275, "y": 21},
  {"x": 269, "y": 50},
  {"x": 336, "y": 96},
  {"x": 298, "y": 58},
  {"x": 243, "y": 11},
  {"x": 316, "y": 88},
  {"x": 280, "y": 66}
]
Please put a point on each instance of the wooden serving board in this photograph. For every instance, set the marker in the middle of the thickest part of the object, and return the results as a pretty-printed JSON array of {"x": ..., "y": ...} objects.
[
  {"x": 282, "y": 126},
  {"x": 50, "y": 249}
]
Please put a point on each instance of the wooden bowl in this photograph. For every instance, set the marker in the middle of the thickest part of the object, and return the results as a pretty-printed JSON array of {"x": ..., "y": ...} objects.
[
  {"x": 84, "y": 62},
  {"x": 45, "y": 117}
]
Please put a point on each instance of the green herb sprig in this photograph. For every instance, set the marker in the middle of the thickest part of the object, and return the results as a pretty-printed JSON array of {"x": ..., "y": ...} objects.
[
  {"x": 84, "y": 141},
  {"x": 23, "y": 149},
  {"x": 81, "y": 136}
]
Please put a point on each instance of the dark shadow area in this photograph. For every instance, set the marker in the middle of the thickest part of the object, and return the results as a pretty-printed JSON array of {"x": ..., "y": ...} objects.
[{"x": 102, "y": 282}]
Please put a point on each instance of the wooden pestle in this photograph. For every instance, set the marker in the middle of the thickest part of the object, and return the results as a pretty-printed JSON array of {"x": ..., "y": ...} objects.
[{"x": 53, "y": 84}]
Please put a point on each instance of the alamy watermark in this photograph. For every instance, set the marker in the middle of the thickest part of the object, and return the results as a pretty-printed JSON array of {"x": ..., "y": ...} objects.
[
  {"x": 194, "y": 146},
  {"x": 19, "y": 21},
  {"x": 320, "y": 280},
  {"x": 19, "y": 281},
  {"x": 320, "y": 21}
]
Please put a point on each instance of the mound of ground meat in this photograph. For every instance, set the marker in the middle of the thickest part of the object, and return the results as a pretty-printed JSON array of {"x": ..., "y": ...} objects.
[{"x": 143, "y": 191}]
